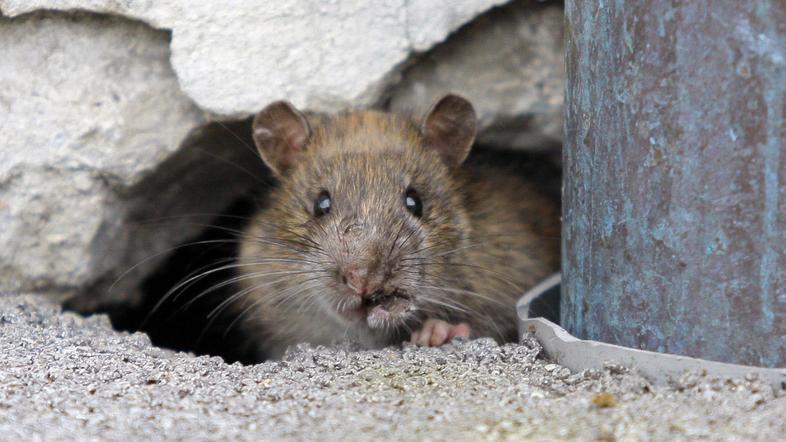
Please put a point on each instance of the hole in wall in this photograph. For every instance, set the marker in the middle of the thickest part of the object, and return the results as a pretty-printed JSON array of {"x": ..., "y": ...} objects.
[
  {"x": 191, "y": 318},
  {"x": 192, "y": 200},
  {"x": 186, "y": 321},
  {"x": 544, "y": 170},
  {"x": 207, "y": 190}
]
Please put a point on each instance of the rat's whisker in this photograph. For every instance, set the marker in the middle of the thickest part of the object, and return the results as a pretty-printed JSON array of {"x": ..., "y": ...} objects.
[{"x": 466, "y": 292}]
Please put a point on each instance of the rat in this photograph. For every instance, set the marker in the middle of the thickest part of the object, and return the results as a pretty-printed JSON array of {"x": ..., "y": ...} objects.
[{"x": 377, "y": 232}]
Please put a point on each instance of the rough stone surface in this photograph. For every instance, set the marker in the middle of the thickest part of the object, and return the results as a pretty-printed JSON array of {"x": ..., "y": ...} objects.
[
  {"x": 90, "y": 107},
  {"x": 509, "y": 63},
  {"x": 320, "y": 55},
  {"x": 66, "y": 377}
]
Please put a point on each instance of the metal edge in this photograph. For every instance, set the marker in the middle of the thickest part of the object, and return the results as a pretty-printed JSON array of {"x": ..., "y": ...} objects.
[
  {"x": 658, "y": 368},
  {"x": 522, "y": 306}
]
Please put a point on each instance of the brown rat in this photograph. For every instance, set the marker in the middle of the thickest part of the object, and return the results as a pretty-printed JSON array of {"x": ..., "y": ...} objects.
[{"x": 377, "y": 233}]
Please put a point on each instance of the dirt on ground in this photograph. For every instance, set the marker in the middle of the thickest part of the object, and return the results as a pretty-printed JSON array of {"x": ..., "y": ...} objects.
[{"x": 63, "y": 376}]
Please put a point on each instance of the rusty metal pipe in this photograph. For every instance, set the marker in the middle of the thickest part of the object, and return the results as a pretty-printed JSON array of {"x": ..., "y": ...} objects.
[{"x": 675, "y": 177}]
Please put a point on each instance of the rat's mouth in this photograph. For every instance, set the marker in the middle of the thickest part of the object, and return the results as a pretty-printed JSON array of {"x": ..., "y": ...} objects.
[
  {"x": 384, "y": 300},
  {"x": 386, "y": 309},
  {"x": 382, "y": 309}
]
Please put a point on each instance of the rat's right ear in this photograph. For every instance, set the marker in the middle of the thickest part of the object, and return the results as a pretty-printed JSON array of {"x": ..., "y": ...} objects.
[{"x": 281, "y": 133}]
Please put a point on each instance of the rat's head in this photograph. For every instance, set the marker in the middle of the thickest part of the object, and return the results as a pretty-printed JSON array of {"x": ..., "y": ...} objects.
[{"x": 369, "y": 204}]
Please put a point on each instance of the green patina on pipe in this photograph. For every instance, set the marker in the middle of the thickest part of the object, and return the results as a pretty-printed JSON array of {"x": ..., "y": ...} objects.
[{"x": 675, "y": 177}]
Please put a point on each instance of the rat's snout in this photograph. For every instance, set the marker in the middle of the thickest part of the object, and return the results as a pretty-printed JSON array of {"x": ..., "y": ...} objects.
[
  {"x": 362, "y": 280},
  {"x": 363, "y": 268}
]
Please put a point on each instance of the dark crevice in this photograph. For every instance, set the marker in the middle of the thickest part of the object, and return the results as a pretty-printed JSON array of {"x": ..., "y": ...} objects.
[
  {"x": 199, "y": 196},
  {"x": 203, "y": 196},
  {"x": 180, "y": 324},
  {"x": 184, "y": 321}
]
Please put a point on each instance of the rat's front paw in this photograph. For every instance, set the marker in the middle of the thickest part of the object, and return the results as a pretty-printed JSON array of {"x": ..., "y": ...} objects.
[{"x": 436, "y": 332}]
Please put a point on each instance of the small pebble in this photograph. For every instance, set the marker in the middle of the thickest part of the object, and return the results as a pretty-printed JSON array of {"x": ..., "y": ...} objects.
[{"x": 604, "y": 399}]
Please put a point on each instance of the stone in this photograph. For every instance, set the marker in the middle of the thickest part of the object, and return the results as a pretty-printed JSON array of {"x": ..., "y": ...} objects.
[
  {"x": 509, "y": 63},
  {"x": 90, "y": 106},
  {"x": 321, "y": 55}
]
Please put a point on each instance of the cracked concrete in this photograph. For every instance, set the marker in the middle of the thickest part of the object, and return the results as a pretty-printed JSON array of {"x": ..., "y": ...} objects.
[{"x": 323, "y": 56}]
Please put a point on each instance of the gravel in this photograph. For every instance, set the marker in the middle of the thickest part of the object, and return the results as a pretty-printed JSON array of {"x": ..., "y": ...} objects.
[{"x": 63, "y": 376}]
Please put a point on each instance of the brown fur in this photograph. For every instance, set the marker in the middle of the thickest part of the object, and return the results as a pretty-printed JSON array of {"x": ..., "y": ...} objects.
[{"x": 485, "y": 236}]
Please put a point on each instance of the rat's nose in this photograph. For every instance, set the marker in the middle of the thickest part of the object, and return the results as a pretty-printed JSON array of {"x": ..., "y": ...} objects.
[{"x": 359, "y": 281}]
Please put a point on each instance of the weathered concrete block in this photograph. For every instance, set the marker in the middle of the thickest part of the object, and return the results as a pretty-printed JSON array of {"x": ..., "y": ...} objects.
[
  {"x": 234, "y": 59},
  {"x": 509, "y": 63},
  {"x": 90, "y": 107}
]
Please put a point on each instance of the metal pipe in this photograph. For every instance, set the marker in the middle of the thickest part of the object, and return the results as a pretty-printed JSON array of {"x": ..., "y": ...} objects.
[{"x": 675, "y": 177}]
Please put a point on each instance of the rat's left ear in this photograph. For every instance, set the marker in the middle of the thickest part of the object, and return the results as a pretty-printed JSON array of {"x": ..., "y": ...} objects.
[{"x": 449, "y": 128}]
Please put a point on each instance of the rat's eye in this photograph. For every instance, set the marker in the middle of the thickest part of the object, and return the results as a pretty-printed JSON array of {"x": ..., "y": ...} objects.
[
  {"x": 413, "y": 203},
  {"x": 322, "y": 204}
]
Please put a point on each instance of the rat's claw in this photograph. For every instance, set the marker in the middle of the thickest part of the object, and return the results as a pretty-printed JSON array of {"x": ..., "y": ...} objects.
[{"x": 436, "y": 332}]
